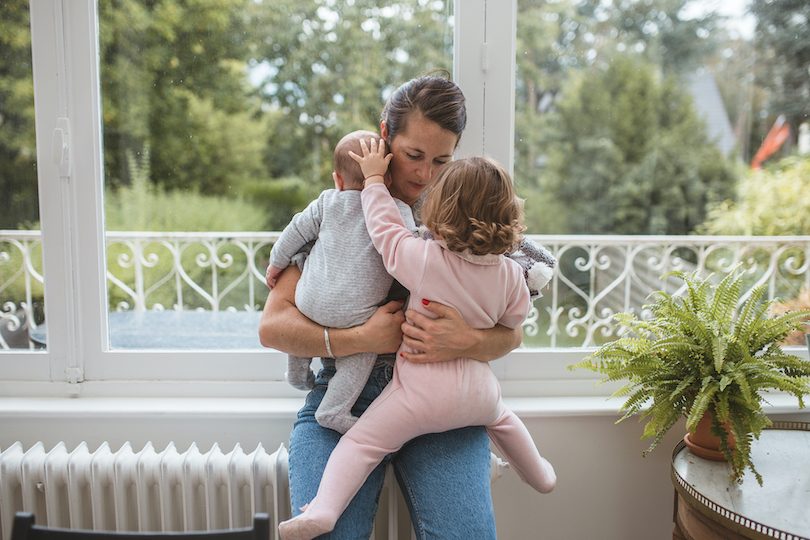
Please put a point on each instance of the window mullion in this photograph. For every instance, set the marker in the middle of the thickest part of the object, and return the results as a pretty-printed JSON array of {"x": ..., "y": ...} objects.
[
  {"x": 484, "y": 58},
  {"x": 64, "y": 44},
  {"x": 49, "y": 99}
]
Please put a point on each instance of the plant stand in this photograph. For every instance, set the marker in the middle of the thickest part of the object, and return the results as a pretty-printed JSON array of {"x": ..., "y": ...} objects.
[{"x": 708, "y": 506}]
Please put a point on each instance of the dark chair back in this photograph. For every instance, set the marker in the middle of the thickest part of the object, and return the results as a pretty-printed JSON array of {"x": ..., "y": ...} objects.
[{"x": 24, "y": 529}]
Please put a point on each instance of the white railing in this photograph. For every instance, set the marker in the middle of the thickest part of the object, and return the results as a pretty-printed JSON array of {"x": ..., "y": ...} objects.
[{"x": 597, "y": 276}]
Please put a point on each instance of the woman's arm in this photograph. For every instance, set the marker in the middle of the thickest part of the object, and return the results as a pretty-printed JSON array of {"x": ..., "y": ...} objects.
[
  {"x": 449, "y": 337},
  {"x": 286, "y": 329}
]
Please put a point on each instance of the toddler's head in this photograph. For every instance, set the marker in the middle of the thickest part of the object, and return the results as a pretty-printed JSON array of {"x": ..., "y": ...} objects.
[
  {"x": 472, "y": 205},
  {"x": 347, "y": 168}
]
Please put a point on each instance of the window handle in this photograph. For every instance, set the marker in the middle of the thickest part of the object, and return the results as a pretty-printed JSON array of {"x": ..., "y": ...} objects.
[{"x": 61, "y": 146}]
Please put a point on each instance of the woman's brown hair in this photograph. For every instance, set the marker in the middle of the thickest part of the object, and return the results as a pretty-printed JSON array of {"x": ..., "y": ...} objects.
[
  {"x": 472, "y": 205},
  {"x": 433, "y": 95}
]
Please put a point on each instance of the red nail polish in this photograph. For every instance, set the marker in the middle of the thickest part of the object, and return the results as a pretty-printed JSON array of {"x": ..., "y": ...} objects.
[{"x": 425, "y": 302}]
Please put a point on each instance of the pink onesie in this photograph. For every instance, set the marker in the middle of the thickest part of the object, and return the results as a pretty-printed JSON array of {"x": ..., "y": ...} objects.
[{"x": 434, "y": 397}]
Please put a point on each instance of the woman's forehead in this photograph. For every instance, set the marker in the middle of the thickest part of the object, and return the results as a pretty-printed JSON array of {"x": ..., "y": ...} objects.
[{"x": 425, "y": 136}]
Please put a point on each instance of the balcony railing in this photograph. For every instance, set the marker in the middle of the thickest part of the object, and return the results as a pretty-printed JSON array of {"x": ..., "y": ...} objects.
[{"x": 598, "y": 276}]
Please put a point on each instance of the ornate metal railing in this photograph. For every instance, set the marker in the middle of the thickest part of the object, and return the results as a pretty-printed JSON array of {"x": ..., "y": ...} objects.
[{"x": 598, "y": 276}]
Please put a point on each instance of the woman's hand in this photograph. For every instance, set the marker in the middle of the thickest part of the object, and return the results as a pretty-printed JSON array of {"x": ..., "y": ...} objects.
[
  {"x": 448, "y": 337},
  {"x": 382, "y": 333}
]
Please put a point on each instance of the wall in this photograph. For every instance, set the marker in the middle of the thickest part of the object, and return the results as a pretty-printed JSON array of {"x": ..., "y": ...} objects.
[{"x": 605, "y": 490}]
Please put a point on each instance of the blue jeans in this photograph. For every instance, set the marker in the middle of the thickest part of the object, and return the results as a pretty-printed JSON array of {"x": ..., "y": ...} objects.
[{"x": 444, "y": 476}]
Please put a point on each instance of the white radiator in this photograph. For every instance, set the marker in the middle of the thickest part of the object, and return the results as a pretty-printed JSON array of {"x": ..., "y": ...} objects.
[
  {"x": 142, "y": 491},
  {"x": 163, "y": 491}
]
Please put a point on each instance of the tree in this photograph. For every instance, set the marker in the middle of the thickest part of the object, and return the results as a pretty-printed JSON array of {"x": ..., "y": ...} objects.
[
  {"x": 769, "y": 202},
  {"x": 18, "y": 174},
  {"x": 558, "y": 41},
  {"x": 174, "y": 78},
  {"x": 333, "y": 64},
  {"x": 783, "y": 43},
  {"x": 630, "y": 156}
]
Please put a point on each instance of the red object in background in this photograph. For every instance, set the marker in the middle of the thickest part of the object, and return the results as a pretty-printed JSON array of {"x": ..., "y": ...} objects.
[{"x": 776, "y": 136}]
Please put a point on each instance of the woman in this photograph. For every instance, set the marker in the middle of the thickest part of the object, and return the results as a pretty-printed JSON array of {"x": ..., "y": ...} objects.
[{"x": 422, "y": 123}]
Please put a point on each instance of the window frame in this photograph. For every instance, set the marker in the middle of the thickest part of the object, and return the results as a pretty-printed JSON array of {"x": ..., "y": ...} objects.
[{"x": 79, "y": 358}]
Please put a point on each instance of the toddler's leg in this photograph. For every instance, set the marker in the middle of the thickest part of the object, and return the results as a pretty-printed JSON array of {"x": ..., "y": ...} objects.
[
  {"x": 515, "y": 442},
  {"x": 378, "y": 433},
  {"x": 298, "y": 373},
  {"x": 335, "y": 411}
]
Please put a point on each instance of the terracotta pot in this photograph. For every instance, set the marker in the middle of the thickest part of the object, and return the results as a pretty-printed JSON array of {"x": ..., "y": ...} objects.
[{"x": 703, "y": 444}]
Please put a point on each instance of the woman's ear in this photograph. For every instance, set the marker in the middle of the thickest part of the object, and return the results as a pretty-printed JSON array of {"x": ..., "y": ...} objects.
[{"x": 384, "y": 131}]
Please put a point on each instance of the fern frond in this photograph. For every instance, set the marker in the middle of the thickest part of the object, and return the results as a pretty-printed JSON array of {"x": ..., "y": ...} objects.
[{"x": 724, "y": 301}]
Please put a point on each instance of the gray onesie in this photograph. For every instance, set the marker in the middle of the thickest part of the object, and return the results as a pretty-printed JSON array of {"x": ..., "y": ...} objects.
[{"x": 342, "y": 284}]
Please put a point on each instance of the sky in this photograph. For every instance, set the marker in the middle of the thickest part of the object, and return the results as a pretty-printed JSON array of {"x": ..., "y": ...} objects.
[{"x": 739, "y": 20}]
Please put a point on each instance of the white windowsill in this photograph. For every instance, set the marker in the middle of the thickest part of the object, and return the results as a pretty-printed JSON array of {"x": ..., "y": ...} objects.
[{"x": 287, "y": 407}]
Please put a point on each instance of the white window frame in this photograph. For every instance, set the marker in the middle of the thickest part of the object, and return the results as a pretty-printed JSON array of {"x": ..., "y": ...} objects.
[{"x": 79, "y": 359}]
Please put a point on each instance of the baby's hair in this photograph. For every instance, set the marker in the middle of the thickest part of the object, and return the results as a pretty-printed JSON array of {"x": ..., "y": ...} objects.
[
  {"x": 348, "y": 169},
  {"x": 472, "y": 205}
]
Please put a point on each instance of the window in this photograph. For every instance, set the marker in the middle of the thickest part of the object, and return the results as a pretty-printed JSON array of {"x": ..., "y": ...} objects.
[
  {"x": 637, "y": 119},
  {"x": 171, "y": 120},
  {"x": 198, "y": 104},
  {"x": 21, "y": 287}
]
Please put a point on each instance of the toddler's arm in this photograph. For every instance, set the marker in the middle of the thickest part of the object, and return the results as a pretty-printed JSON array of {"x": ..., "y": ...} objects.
[{"x": 374, "y": 162}]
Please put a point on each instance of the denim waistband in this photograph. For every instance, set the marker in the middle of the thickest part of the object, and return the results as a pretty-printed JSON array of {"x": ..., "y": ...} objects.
[{"x": 383, "y": 360}]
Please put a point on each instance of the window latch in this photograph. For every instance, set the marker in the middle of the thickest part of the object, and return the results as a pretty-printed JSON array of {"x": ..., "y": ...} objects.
[{"x": 61, "y": 146}]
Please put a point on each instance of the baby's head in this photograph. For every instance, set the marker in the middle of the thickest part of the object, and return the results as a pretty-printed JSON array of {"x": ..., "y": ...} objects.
[
  {"x": 347, "y": 169},
  {"x": 472, "y": 205}
]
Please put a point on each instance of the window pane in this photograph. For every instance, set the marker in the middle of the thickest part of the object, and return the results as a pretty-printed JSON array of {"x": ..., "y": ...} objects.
[
  {"x": 21, "y": 291},
  {"x": 220, "y": 120},
  {"x": 645, "y": 118}
]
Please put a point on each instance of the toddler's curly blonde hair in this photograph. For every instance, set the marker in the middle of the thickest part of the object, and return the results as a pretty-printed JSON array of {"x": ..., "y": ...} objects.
[{"x": 472, "y": 205}]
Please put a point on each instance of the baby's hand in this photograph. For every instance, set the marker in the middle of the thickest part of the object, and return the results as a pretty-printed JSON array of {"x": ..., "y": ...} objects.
[
  {"x": 272, "y": 275},
  {"x": 374, "y": 162}
]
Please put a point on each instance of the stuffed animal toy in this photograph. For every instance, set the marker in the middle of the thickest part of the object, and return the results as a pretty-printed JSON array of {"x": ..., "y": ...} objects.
[{"x": 538, "y": 265}]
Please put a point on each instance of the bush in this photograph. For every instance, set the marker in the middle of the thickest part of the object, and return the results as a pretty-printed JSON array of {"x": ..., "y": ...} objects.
[{"x": 769, "y": 202}]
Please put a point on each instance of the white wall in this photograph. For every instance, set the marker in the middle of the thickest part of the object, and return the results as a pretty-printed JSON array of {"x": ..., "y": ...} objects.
[{"x": 605, "y": 490}]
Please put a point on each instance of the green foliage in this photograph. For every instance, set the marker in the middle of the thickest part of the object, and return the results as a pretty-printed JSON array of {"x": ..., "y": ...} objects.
[
  {"x": 694, "y": 356},
  {"x": 174, "y": 77},
  {"x": 18, "y": 173},
  {"x": 332, "y": 66},
  {"x": 630, "y": 155},
  {"x": 281, "y": 199},
  {"x": 561, "y": 42},
  {"x": 783, "y": 42},
  {"x": 769, "y": 202},
  {"x": 146, "y": 207}
]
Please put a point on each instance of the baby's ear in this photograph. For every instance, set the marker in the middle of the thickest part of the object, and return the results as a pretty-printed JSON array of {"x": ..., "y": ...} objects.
[{"x": 338, "y": 181}]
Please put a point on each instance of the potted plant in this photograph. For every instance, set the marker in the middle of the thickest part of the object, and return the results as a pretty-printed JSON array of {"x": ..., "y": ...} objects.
[{"x": 704, "y": 353}]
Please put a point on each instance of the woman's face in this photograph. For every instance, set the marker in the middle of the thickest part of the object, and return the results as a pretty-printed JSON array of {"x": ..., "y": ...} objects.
[{"x": 419, "y": 152}]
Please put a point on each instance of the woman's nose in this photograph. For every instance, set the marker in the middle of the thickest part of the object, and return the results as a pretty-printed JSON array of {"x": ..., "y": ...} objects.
[{"x": 425, "y": 172}]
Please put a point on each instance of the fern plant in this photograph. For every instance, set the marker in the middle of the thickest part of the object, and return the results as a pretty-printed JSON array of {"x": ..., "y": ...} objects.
[{"x": 700, "y": 353}]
